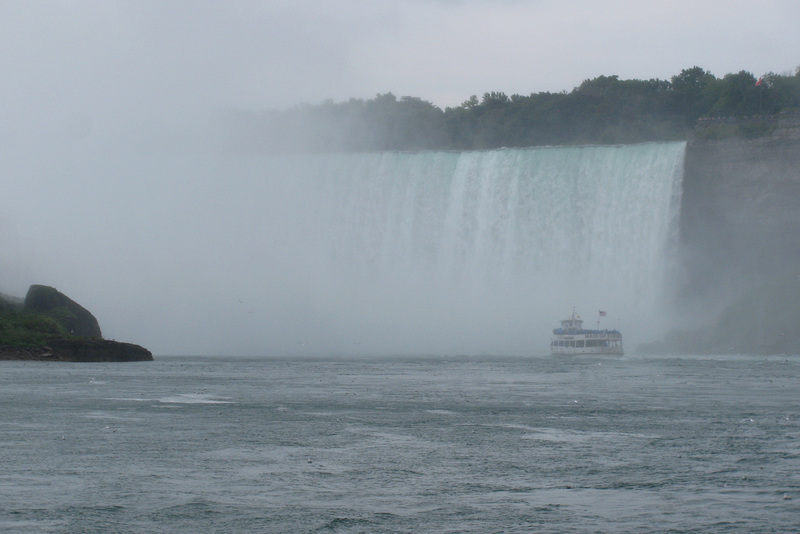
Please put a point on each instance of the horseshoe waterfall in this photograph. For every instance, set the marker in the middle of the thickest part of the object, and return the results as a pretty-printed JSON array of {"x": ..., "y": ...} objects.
[{"x": 462, "y": 252}]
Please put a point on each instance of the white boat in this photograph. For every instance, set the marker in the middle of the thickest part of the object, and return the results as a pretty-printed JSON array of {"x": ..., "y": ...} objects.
[{"x": 572, "y": 338}]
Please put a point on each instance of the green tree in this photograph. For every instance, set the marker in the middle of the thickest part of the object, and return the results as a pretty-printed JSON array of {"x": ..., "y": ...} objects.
[
  {"x": 690, "y": 94},
  {"x": 736, "y": 96}
]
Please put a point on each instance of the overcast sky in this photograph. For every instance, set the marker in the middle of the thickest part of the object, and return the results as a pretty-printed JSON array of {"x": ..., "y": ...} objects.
[
  {"x": 273, "y": 54},
  {"x": 88, "y": 90}
]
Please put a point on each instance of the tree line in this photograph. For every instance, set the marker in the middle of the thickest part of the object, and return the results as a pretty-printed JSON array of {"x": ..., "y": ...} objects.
[{"x": 603, "y": 110}]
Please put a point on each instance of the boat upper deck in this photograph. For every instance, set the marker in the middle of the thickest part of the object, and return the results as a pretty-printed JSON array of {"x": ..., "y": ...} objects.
[{"x": 574, "y": 327}]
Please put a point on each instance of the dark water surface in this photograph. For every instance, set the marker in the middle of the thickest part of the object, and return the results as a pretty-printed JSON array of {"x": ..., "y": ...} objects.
[{"x": 474, "y": 444}]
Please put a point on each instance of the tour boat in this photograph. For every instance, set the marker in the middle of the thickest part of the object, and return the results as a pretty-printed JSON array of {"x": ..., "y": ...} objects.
[{"x": 572, "y": 338}]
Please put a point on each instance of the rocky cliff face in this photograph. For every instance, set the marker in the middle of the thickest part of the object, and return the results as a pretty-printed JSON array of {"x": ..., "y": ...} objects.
[
  {"x": 763, "y": 321},
  {"x": 740, "y": 217},
  {"x": 740, "y": 245},
  {"x": 51, "y": 302}
]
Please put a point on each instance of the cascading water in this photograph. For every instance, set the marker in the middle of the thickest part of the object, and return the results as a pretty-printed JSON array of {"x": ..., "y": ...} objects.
[
  {"x": 382, "y": 253},
  {"x": 481, "y": 252}
]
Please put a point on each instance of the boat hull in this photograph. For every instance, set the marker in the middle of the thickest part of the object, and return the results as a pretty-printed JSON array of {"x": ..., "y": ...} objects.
[{"x": 570, "y": 351}]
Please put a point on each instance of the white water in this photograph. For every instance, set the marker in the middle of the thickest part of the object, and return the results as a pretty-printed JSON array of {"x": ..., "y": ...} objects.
[
  {"x": 382, "y": 253},
  {"x": 485, "y": 251}
]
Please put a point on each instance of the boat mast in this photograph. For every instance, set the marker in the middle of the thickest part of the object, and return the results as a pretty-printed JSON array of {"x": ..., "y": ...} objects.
[{"x": 600, "y": 313}]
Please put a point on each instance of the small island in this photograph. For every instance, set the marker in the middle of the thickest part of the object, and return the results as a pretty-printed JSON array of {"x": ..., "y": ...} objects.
[{"x": 49, "y": 326}]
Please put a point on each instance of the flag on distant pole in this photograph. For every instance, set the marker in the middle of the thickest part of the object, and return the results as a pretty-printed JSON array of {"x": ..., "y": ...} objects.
[
  {"x": 602, "y": 313},
  {"x": 759, "y": 82}
]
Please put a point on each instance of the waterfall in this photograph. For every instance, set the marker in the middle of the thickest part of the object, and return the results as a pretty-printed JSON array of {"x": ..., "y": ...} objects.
[
  {"x": 381, "y": 253},
  {"x": 479, "y": 252}
]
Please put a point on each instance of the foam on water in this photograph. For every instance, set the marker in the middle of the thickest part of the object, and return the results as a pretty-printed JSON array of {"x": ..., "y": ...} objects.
[{"x": 194, "y": 398}]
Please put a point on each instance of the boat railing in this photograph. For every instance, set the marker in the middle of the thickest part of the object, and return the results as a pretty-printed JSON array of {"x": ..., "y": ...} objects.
[{"x": 573, "y": 331}]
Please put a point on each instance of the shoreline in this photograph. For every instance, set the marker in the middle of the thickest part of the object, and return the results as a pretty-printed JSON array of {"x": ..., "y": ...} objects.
[{"x": 78, "y": 350}]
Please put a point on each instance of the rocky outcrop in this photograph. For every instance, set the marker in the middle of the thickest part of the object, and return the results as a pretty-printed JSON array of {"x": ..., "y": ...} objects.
[
  {"x": 98, "y": 350},
  {"x": 75, "y": 318},
  {"x": 50, "y": 326}
]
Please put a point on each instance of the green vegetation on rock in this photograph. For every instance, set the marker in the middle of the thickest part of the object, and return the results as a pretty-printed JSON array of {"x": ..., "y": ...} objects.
[
  {"x": 28, "y": 330},
  {"x": 50, "y": 326}
]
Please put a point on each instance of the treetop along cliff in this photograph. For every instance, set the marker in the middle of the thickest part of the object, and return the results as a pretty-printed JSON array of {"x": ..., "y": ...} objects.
[{"x": 603, "y": 110}]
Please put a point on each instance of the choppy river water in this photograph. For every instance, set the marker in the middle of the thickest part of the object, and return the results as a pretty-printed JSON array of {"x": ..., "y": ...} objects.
[{"x": 436, "y": 444}]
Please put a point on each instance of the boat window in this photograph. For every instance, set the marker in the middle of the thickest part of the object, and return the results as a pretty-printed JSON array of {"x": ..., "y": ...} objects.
[{"x": 580, "y": 344}]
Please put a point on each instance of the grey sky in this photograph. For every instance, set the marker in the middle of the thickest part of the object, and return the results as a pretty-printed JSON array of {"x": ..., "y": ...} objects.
[
  {"x": 100, "y": 101},
  {"x": 272, "y": 54}
]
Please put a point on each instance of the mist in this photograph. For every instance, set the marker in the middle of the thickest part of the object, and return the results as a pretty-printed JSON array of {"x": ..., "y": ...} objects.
[
  {"x": 116, "y": 190},
  {"x": 208, "y": 252}
]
